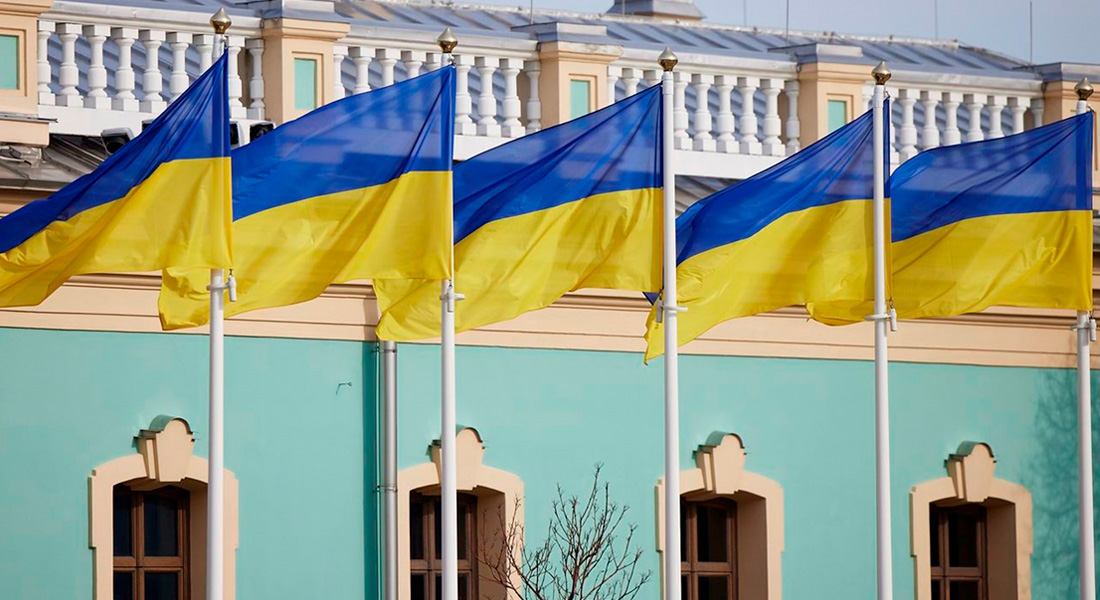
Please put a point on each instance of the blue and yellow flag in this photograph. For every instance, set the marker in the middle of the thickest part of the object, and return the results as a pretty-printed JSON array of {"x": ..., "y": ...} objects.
[
  {"x": 1000, "y": 222},
  {"x": 574, "y": 206},
  {"x": 162, "y": 201},
  {"x": 797, "y": 233},
  {"x": 357, "y": 189}
]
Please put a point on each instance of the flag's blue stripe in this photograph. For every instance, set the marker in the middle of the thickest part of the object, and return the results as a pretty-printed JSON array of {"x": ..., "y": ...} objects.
[
  {"x": 360, "y": 141},
  {"x": 195, "y": 125},
  {"x": 1034, "y": 171},
  {"x": 614, "y": 149},
  {"x": 836, "y": 168}
]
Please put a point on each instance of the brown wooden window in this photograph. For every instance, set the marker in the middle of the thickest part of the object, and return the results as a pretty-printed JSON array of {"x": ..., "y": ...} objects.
[
  {"x": 708, "y": 549},
  {"x": 958, "y": 552},
  {"x": 425, "y": 547},
  {"x": 151, "y": 545}
]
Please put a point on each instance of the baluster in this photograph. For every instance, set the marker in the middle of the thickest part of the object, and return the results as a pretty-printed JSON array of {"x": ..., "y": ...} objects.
[
  {"x": 179, "y": 80},
  {"x": 907, "y": 131},
  {"x": 233, "y": 45},
  {"x": 68, "y": 76},
  {"x": 361, "y": 56},
  {"x": 205, "y": 45},
  {"x": 433, "y": 62},
  {"x": 951, "y": 133},
  {"x": 45, "y": 94},
  {"x": 339, "y": 53},
  {"x": 97, "y": 71},
  {"x": 1018, "y": 106},
  {"x": 413, "y": 60},
  {"x": 509, "y": 107},
  {"x": 486, "y": 101},
  {"x": 772, "y": 146},
  {"x": 532, "y": 68},
  {"x": 387, "y": 57},
  {"x": 930, "y": 133},
  {"x": 652, "y": 77},
  {"x": 613, "y": 75},
  {"x": 464, "y": 124},
  {"x": 703, "y": 141},
  {"x": 750, "y": 143},
  {"x": 679, "y": 111},
  {"x": 724, "y": 122},
  {"x": 256, "y": 107},
  {"x": 152, "y": 84},
  {"x": 867, "y": 96},
  {"x": 124, "y": 38},
  {"x": 974, "y": 107},
  {"x": 630, "y": 81},
  {"x": 1036, "y": 112},
  {"x": 794, "y": 127},
  {"x": 892, "y": 145},
  {"x": 996, "y": 109}
]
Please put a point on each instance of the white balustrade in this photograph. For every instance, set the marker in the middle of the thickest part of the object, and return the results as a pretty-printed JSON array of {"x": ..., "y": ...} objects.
[
  {"x": 124, "y": 38},
  {"x": 152, "y": 84},
  {"x": 45, "y": 94},
  {"x": 433, "y": 61},
  {"x": 339, "y": 53},
  {"x": 179, "y": 80},
  {"x": 613, "y": 75},
  {"x": 1036, "y": 112},
  {"x": 413, "y": 61},
  {"x": 68, "y": 75},
  {"x": 652, "y": 77},
  {"x": 750, "y": 143},
  {"x": 233, "y": 46},
  {"x": 951, "y": 133},
  {"x": 361, "y": 57},
  {"x": 486, "y": 101},
  {"x": 532, "y": 69},
  {"x": 204, "y": 43},
  {"x": 679, "y": 111},
  {"x": 772, "y": 146},
  {"x": 256, "y": 105},
  {"x": 464, "y": 123},
  {"x": 387, "y": 58},
  {"x": 630, "y": 81},
  {"x": 974, "y": 108},
  {"x": 724, "y": 122},
  {"x": 996, "y": 108},
  {"x": 703, "y": 140},
  {"x": 794, "y": 127},
  {"x": 509, "y": 106},
  {"x": 97, "y": 71},
  {"x": 907, "y": 129},
  {"x": 930, "y": 133},
  {"x": 1018, "y": 107}
]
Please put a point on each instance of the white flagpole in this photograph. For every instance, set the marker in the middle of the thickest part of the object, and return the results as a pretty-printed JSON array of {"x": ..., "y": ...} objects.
[
  {"x": 882, "y": 319},
  {"x": 449, "y": 475},
  {"x": 215, "y": 491},
  {"x": 1086, "y": 333},
  {"x": 668, "y": 310}
]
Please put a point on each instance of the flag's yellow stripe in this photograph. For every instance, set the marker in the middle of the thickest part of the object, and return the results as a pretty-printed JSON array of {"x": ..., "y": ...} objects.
[
  {"x": 150, "y": 228},
  {"x": 820, "y": 257},
  {"x": 1041, "y": 260},
  {"x": 292, "y": 252},
  {"x": 526, "y": 262}
]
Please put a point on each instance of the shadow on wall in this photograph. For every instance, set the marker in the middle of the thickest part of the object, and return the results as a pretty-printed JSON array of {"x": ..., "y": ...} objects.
[{"x": 1052, "y": 475}]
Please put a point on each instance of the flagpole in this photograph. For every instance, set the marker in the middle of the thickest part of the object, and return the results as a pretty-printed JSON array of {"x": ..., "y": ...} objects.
[
  {"x": 1086, "y": 333},
  {"x": 448, "y": 467},
  {"x": 215, "y": 491},
  {"x": 882, "y": 319},
  {"x": 669, "y": 308}
]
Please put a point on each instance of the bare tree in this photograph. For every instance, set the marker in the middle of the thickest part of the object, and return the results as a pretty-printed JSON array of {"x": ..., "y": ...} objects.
[{"x": 589, "y": 552}]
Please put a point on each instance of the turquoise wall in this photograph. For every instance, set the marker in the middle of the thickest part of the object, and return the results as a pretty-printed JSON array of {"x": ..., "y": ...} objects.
[
  {"x": 294, "y": 437},
  {"x": 549, "y": 416}
]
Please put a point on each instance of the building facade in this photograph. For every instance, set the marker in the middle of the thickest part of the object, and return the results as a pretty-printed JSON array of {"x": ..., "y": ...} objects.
[{"x": 103, "y": 417}]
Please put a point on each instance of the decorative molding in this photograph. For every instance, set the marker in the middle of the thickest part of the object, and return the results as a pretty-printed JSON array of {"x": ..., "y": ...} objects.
[
  {"x": 720, "y": 473},
  {"x": 1008, "y": 515},
  {"x": 164, "y": 457}
]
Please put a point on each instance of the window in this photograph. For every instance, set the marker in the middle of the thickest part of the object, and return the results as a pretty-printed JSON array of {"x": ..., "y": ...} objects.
[
  {"x": 580, "y": 97},
  {"x": 838, "y": 114},
  {"x": 151, "y": 544},
  {"x": 708, "y": 549},
  {"x": 9, "y": 62},
  {"x": 957, "y": 552},
  {"x": 305, "y": 83},
  {"x": 425, "y": 545}
]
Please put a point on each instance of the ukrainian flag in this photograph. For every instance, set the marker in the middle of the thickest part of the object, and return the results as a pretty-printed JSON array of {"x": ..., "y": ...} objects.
[
  {"x": 357, "y": 189},
  {"x": 161, "y": 201},
  {"x": 574, "y": 206},
  {"x": 797, "y": 233},
  {"x": 999, "y": 222}
]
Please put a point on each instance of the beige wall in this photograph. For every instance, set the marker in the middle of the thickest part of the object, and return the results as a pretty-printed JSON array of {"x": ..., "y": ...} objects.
[
  {"x": 19, "y": 18},
  {"x": 285, "y": 40},
  {"x": 820, "y": 82},
  {"x": 565, "y": 61}
]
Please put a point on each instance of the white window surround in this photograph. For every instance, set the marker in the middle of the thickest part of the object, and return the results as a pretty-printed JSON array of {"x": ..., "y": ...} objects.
[
  {"x": 970, "y": 480},
  {"x": 720, "y": 473},
  {"x": 163, "y": 458},
  {"x": 499, "y": 493}
]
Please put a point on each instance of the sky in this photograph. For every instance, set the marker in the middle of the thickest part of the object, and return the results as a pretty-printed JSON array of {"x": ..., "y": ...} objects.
[{"x": 1065, "y": 30}]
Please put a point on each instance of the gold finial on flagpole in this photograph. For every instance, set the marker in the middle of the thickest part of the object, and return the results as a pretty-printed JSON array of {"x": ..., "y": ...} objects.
[
  {"x": 881, "y": 73},
  {"x": 220, "y": 21},
  {"x": 447, "y": 41},
  {"x": 668, "y": 59},
  {"x": 1083, "y": 89}
]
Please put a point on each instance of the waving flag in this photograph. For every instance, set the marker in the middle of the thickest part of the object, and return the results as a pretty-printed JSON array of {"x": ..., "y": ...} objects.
[
  {"x": 1000, "y": 222},
  {"x": 574, "y": 206},
  {"x": 357, "y": 189},
  {"x": 797, "y": 233},
  {"x": 162, "y": 201}
]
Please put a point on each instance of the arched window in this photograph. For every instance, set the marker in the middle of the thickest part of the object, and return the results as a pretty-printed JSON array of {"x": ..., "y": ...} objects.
[{"x": 708, "y": 549}]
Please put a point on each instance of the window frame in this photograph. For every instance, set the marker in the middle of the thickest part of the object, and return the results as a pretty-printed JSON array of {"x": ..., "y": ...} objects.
[
  {"x": 138, "y": 564},
  {"x": 943, "y": 574},
  {"x": 691, "y": 567},
  {"x": 429, "y": 565}
]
